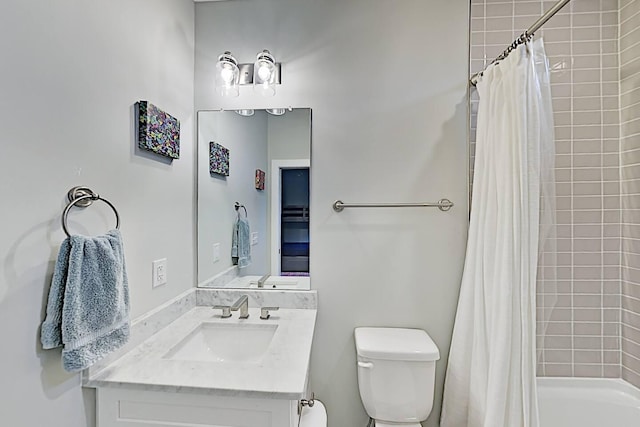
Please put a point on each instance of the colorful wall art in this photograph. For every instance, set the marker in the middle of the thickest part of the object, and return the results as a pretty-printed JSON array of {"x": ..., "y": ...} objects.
[
  {"x": 218, "y": 159},
  {"x": 158, "y": 131},
  {"x": 260, "y": 179}
]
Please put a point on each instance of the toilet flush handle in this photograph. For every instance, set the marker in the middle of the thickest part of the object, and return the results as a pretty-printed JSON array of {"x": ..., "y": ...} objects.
[{"x": 367, "y": 365}]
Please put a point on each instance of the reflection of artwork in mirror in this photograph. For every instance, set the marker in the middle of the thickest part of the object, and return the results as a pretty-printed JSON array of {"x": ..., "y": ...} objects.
[
  {"x": 218, "y": 159},
  {"x": 259, "y": 179},
  {"x": 157, "y": 131},
  {"x": 270, "y": 154}
]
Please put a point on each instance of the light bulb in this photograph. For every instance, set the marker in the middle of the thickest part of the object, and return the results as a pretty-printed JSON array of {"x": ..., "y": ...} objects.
[
  {"x": 227, "y": 75},
  {"x": 264, "y": 72}
]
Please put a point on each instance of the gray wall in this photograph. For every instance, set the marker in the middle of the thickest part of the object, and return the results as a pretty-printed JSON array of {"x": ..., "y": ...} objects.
[
  {"x": 71, "y": 72},
  {"x": 380, "y": 133}
]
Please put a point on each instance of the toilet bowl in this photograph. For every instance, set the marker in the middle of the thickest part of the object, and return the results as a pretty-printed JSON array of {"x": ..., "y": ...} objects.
[
  {"x": 315, "y": 416},
  {"x": 396, "y": 374}
]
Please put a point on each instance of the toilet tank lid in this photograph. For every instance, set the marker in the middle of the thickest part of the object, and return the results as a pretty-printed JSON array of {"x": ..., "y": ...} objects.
[{"x": 395, "y": 344}]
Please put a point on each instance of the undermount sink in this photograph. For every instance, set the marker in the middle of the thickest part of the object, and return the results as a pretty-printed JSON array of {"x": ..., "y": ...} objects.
[{"x": 216, "y": 342}]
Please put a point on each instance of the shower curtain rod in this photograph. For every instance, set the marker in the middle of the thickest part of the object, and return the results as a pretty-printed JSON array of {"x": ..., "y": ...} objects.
[{"x": 524, "y": 36}]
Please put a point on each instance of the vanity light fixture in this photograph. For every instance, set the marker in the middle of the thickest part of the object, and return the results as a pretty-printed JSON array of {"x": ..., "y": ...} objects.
[
  {"x": 246, "y": 112},
  {"x": 227, "y": 75},
  {"x": 263, "y": 74}
]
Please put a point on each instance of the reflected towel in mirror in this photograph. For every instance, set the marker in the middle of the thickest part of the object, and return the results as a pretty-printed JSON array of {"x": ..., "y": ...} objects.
[{"x": 241, "y": 243}]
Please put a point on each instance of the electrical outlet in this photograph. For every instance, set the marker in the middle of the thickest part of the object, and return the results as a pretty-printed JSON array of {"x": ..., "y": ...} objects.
[
  {"x": 216, "y": 252},
  {"x": 159, "y": 272},
  {"x": 254, "y": 238}
]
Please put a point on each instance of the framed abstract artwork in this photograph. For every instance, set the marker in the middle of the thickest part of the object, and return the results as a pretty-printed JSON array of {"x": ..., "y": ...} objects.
[
  {"x": 218, "y": 159},
  {"x": 158, "y": 131},
  {"x": 260, "y": 179}
]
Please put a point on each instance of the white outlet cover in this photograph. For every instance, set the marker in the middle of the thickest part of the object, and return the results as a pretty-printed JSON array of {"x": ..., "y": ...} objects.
[
  {"x": 159, "y": 272},
  {"x": 254, "y": 238},
  {"x": 216, "y": 252}
]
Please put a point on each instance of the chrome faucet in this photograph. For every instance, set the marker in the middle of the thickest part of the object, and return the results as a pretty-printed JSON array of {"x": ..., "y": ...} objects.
[
  {"x": 242, "y": 304},
  {"x": 262, "y": 280}
]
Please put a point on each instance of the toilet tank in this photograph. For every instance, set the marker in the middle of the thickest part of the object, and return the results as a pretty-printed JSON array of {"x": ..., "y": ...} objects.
[{"x": 396, "y": 373}]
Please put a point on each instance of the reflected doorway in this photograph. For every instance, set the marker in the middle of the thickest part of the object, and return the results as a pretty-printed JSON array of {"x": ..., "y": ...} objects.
[{"x": 290, "y": 217}]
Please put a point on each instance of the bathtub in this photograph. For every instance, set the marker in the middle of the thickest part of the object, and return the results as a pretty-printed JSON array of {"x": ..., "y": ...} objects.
[{"x": 588, "y": 402}]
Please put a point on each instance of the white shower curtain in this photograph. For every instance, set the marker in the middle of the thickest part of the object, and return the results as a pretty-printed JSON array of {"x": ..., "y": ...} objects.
[{"x": 490, "y": 379}]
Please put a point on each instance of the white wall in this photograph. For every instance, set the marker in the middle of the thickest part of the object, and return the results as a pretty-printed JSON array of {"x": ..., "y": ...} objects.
[
  {"x": 290, "y": 135},
  {"x": 71, "y": 72},
  {"x": 246, "y": 139},
  {"x": 387, "y": 84}
]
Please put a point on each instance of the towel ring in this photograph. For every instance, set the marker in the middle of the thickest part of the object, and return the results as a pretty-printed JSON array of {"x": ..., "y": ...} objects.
[
  {"x": 83, "y": 197},
  {"x": 238, "y": 206}
]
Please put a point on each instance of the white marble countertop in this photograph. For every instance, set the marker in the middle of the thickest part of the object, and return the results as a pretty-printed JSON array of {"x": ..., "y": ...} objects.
[{"x": 280, "y": 374}]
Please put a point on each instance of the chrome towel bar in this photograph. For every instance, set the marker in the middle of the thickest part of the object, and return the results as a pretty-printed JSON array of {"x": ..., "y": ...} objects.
[
  {"x": 83, "y": 197},
  {"x": 442, "y": 204}
]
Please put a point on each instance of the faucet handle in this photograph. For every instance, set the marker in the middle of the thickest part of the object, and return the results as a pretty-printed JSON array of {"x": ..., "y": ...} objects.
[
  {"x": 226, "y": 310},
  {"x": 264, "y": 312}
]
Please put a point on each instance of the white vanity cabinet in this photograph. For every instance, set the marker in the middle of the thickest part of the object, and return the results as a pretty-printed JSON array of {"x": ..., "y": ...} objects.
[
  {"x": 120, "y": 407},
  {"x": 253, "y": 379}
]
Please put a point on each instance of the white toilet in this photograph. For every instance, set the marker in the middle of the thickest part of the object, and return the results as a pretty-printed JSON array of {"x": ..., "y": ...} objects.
[{"x": 396, "y": 374}]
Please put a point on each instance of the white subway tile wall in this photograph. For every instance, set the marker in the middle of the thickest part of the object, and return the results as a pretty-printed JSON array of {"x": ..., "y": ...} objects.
[
  {"x": 583, "y": 335},
  {"x": 630, "y": 186}
]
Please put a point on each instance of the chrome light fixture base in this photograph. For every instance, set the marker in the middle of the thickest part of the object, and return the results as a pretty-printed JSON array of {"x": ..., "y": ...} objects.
[
  {"x": 264, "y": 74},
  {"x": 246, "y": 73}
]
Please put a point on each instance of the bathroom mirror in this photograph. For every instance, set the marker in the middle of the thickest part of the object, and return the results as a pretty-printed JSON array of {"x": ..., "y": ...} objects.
[{"x": 254, "y": 165}]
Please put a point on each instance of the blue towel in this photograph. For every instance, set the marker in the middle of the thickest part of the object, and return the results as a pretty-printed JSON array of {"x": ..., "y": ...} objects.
[
  {"x": 88, "y": 308},
  {"x": 241, "y": 243}
]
